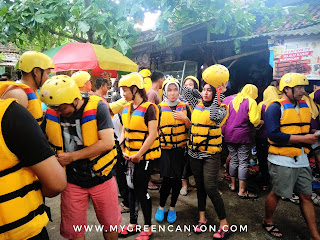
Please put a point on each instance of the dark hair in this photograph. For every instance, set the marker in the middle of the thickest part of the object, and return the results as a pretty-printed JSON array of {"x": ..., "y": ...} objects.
[
  {"x": 100, "y": 82},
  {"x": 8, "y": 75},
  {"x": 155, "y": 76},
  {"x": 142, "y": 92}
]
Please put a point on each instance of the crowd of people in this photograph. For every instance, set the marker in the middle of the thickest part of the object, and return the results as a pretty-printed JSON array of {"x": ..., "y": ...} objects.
[{"x": 85, "y": 147}]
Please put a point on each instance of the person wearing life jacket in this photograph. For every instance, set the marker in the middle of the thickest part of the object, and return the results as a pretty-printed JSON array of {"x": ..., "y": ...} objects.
[
  {"x": 243, "y": 116},
  {"x": 269, "y": 94},
  {"x": 173, "y": 132},
  {"x": 288, "y": 128},
  {"x": 190, "y": 87},
  {"x": 82, "y": 78},
  {"x": 204, "y": 149},
  {"x": 140, "y": 147},
  {"x": 81, "y": 131},
  {"x": 146, "y": 74},
  {"x": 35, "y": 68},
  {"x": 29, "y": 171}
]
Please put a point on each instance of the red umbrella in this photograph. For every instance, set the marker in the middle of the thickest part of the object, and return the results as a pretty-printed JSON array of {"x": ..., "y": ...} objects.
[{"x": 83, "y": 56}]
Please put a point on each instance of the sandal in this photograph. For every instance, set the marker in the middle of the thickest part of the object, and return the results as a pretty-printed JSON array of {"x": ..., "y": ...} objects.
[
  {"x": 221, "y": 234},
  {"x": 231, "y": 189},
  {"x": 152, "y": 186},
  {"x": 144, "y": 235},
  {"x": 127, "y": 231},
  {"x": 198, "y": 228},
  {"x": 248, "y": 196},
  {"x": 123, "y": 208},
  {"x": 273, "y": 231}
]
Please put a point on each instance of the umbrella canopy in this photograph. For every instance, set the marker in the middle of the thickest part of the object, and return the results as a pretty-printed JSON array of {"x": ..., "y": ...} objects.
[{"x": 74, "y": 56}]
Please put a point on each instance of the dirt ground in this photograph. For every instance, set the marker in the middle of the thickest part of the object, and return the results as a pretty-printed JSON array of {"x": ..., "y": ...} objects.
[{"x": 245, "y": 216}]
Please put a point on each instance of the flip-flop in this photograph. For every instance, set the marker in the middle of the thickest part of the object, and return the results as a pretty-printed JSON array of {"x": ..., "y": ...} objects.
[
  {"x": 152, "y": 186},
  {"x": 248, "y": 196},
  {"x": 273, "y": 230},
  {"x": 230, "y": 188}
]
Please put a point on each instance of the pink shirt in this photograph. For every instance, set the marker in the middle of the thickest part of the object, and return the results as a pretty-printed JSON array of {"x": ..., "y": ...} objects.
[{"x": 153, "y": 96}]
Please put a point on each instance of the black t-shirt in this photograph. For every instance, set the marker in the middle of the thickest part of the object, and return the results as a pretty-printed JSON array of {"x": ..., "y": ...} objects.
[
  {"x": 149, "y": 115},
  {"x": 23, "y": 136},
  {"x": 80, "y": 172}
]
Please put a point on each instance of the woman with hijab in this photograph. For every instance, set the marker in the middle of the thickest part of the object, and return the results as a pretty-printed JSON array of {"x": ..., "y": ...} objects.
[
  {"x": 204, "y": 149},
  {"x": 174, "y": 125},
  {"x": 191, "y": 89},
  {"x": 270, "y": 94},
  {"x": 243, "y": 115}
]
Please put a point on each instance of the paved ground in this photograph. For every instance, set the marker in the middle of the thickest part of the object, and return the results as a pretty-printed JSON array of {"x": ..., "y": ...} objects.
[{"x": 240, "y": 213}]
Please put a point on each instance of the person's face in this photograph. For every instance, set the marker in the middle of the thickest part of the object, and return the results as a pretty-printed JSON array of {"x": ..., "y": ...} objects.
[
  {"x": 315, "y": 88},
  {"x": 87, "y": 86},
  {"x": 104, "y": 89},
  {"x": 127, "y": 94},
  {"x": 5, "y": 78},
  {"x": 160, "y": 82},
  {"x": 207, "y": 93},
  {"x": 45, "y": 75},
  {"x": 172, "y": 92},
  {"x": 189, "y": 84},
  {"x": 297, "y": 93},
  {"x": 65, "y": 110}
]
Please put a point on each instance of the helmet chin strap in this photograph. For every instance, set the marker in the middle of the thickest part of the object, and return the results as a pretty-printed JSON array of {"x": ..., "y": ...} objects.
[
  {"x": 34, "y": 78},
  {"x": 292, "y": 89},
  {"x": 133, "y": 94}
]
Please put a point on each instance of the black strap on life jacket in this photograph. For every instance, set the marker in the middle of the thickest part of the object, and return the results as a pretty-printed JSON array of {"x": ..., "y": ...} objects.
[
  {"x": 31, "y": 215},
  {"x": 36, "y": 185},
  {"x": 39, "y": 119},
  {"x": 99, "y": 171},
  {"x": 204, "y": 142},
  {"x": 11, "y": 170},
  {"x": 172, "y": 134},
  {"x": 301, "y": 124}
]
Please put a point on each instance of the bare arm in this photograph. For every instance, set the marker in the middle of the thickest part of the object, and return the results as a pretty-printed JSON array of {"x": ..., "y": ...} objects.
[
  {"x": 51, "y": 175},
  {"x": 105, "y": 143},
  {"x": 18, "y": 94},
  {"x": 152, "y": 130},
  {"x": 308, "y": 138}
]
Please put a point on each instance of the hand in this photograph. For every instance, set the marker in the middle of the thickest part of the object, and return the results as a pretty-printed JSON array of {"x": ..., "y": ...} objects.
[
  {"x": 179, "y": 115},
  {"x": 125, "y": 156},
  {"x": 65, "y": 158},
  {"x": 135, "y": 158},
  {"x": 223, "y": 87},
  {"x": 311, "y": 138}
]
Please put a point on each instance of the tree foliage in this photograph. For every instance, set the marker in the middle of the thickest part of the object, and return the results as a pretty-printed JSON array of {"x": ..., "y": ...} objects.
[{"x": 42, "y": 24}]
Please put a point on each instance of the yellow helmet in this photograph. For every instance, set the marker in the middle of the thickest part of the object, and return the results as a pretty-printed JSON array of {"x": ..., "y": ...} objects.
[
  {"x": 58, "y": 90},
  {"x": 170, "y": 79},
  {"x": 216, "y": 75},
  {"x": 31, "y": 59},
  {"x": 81, "y": 77},
  {"x": 292, "y": 80},
  {"x": 132, "y": 79},
  {"x": 192, "y": 78},
  {"x": 145, "y": 73}
]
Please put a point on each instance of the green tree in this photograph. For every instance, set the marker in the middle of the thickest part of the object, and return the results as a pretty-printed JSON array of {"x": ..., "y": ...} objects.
[{"x": 42, "y": 24}]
